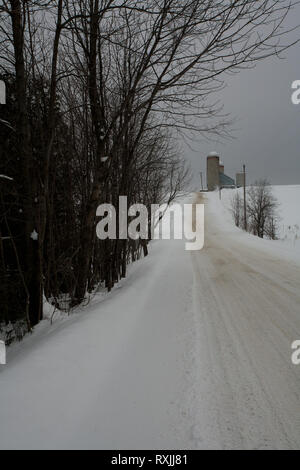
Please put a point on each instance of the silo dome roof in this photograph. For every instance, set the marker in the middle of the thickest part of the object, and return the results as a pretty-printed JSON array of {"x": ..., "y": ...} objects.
[{"x": 213, "y": 154}]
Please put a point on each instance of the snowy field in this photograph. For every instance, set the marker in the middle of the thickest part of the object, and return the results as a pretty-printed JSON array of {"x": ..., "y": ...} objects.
[{"x": 289, "y": 214}]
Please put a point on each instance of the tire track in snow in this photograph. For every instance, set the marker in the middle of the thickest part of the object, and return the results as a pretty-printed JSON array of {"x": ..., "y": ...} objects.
[{"x": 253, "y": 388}]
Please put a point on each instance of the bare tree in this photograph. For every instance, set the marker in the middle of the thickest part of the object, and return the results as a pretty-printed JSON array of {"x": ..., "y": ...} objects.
[
  {"x": 261, "y": 208},
  {"x": 90, "y": 80},
  {"x": 164, "y": 60},
  {"x": 236, "y": 208}
]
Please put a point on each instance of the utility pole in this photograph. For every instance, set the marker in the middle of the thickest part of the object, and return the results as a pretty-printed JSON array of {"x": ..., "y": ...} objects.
[
  {"x": 245, "y": 199},
  {"x": 201, "y": 180}
]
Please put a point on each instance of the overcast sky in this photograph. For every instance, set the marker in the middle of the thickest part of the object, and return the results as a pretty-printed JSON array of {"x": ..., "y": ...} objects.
[{"x": 268, "y": 135}]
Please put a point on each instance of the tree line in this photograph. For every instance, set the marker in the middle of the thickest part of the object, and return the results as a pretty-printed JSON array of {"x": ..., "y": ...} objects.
[{"x": 97, "y": 93}]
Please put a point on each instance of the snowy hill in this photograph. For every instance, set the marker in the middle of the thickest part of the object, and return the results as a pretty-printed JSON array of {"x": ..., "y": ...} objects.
[{"x": 288, "y": 198}]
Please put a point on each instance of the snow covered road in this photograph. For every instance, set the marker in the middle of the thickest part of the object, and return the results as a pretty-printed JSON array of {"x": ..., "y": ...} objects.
[
  {"x": 193, "y": 350},
  {"x": 247, "y": 314}
]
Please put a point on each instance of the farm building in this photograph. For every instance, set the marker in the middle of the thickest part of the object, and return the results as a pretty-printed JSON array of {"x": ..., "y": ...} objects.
[{"x": 216, "y": 177}]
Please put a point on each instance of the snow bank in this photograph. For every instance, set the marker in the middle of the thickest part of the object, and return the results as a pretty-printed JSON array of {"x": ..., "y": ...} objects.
[{"x": 288, "y": 197}]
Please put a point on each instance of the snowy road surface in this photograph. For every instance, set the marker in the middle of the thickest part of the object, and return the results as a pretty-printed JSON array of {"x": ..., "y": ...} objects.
[{"x": 193, "y": 350}]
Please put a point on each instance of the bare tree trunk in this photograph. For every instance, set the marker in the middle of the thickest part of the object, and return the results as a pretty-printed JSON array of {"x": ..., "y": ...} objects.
[
  {"x": 88, "y": 223},
  {"x": 32, "y": 258}
]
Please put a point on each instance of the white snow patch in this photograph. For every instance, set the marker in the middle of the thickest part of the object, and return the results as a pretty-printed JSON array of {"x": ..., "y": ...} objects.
[
  {"x": 34, "y": 235},
  {"x": 6, "y": 177}
]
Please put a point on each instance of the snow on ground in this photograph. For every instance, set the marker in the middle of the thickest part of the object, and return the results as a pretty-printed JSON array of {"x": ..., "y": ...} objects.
[
  {"x": 288, "y": 198},
  {"x": 191, "y": 351},
  {"x": 289, "y": 214},
  {"x": 246, "y": 304},
  {"x": 114, "y": 375}
]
